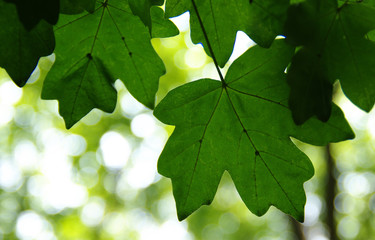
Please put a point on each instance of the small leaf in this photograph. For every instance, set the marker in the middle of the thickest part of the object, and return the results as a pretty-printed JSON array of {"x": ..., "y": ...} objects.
[
  {"x": 162, "y": 27},
  {"x": 20, "y": 49},
  {"x": 141, "y": 8},
  {"x": 242, "y": 126},
  {"x": 153, "y": 17}
]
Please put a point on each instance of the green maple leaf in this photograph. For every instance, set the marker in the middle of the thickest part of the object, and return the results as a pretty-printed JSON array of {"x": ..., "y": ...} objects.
[
  {"x": 153, "y": 17},
  {"x": 148, "y": 11},
  {"x": 77, "y": 6},
  {"x": 30, "y": 12},
  {"x": 242, "y": 126},
  {"x": 262, "y": 20},
  {"x": 95, "y": 49},
  {"x": 20, "y": 48},
  {"x": 335, "y": 35}
]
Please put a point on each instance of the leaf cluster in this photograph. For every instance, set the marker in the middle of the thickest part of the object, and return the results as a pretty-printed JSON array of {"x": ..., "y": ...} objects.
[{"x": 243, "y": 123}]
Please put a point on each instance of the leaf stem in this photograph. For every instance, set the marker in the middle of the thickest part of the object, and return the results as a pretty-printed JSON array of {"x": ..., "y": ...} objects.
[{"x": 209, "y": 44}]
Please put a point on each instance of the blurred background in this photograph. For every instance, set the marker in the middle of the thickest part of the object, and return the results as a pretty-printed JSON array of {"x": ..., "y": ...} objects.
[{"x": 99, "y": 179}]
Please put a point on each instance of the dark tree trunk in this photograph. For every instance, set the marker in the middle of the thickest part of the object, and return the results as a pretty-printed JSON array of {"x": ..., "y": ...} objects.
[
  {"x": 330, "y": 193},
  {"x": 297, "y": 229}
]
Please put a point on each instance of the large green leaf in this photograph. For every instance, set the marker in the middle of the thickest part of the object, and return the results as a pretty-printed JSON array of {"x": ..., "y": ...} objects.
[
  {"x": 262, "y": 20},
  {"x": 153, "y": 17},
  {"x": 336, "y": 36},
  {"x": 30, "y": 12},
  {"x": 20, "y": 49},
  {"x": 242, "y": 126},
  {"x": 93, "y": 50}
]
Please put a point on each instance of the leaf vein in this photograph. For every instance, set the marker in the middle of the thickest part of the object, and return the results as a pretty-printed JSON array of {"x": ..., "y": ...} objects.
[
  {"x": 148, "y": 94},
  {"x": 200, "y": 147},
  {"x": 256, "y": 149},
  {"x": 259, "y": 97}
]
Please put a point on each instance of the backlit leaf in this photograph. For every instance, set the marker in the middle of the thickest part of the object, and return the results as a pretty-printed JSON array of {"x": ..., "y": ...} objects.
[
  {"x": 242, "y": 126},
  {"x": 93, "y": 50}
]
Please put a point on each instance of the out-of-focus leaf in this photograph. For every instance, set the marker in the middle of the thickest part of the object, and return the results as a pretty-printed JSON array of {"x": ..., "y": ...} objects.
[
  {"x": 336, "y": 38},
  {"x": 311, "y": 91},
  {"x": 31, "y": 12}
]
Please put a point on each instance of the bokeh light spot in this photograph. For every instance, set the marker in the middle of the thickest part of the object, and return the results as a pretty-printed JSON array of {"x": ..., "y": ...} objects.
[{"x": 115, "y": 150}]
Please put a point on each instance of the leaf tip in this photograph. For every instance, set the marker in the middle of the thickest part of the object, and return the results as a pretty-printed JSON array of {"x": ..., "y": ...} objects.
[
  {"x": 300, "y": 216},
  {"x": 298, "y": 120},
  {"x": 20, "y": 82},
  {"x": 182, "y": 216},
  {"x": 69, "y": 124},
  {"x": 150, "y": 104},
  {"x": 208, "y": 202},
  {"x": 351, "y": 135}
]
